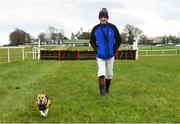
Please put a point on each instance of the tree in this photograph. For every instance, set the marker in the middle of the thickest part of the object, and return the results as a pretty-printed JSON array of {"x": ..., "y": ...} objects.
[
  {"x": 85, "y": 35},
  {"x": 19, "y": 37},
  {"x": 28, "y": 38},
  {"x": 174, "y": 39},
  {"x": 170, "y": 40},
  {"x": 124, "y": 38},
  {"x": 43, "y": 38},
  {"x": 144, "y": 40},
  {"x": 55, "y": 34},
  {"x": 133, "y": 33},
  {"x": 165, "y": 40},
  {"x": 72, "y": 36},
  {"x": 78, "y": 34},
  {"x": 65, "y": 38}
]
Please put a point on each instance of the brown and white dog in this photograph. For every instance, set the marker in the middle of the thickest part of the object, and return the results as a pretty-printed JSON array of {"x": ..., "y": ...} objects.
[{"x": 43, "y": 103}]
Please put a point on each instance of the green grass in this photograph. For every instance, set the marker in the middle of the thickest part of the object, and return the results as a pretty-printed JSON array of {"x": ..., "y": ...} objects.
[
  {"x": 146, "y": 47},
  {"x": 146, "y": 90}
]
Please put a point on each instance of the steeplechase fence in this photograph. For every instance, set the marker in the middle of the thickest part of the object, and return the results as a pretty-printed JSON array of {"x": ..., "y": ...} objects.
[{"x": 83, "y": 55}]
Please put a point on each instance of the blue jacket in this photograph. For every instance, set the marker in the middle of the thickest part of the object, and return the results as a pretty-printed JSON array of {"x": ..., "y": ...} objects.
[{"x": 105, "y": 40}]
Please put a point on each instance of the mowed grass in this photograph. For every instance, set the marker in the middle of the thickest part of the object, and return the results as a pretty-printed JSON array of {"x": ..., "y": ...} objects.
[{"x": 146, "y": 90}]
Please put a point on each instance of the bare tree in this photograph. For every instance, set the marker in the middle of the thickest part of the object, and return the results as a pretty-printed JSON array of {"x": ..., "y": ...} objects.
[
  {"x": 133, "y": 33},
  {"x": 43, "y": 37},
  {"x": 55, "y": 34}
]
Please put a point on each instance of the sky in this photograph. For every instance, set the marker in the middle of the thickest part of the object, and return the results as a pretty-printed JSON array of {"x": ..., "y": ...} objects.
[{"x": 153, "y": 17}]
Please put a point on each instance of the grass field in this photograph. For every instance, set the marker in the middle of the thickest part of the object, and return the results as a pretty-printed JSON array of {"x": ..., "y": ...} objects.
[{"x": 146, "y": 90}]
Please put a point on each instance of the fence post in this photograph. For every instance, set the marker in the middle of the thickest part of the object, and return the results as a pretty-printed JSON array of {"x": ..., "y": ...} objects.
[
  {"x": 137, "y": 55},
  {"x": 33, "y": 53},
  {"x": 23, "y": 54},
  {"x": 8, "y": 56},
  {"x": 78, "y": 55},
  {"x": 116, "y": 55},
  {"x": 39, "y": 49},
  {"x": 26, "y": 55},
  {"x": 59, "y": 55},
  {"x": 146, "y": 52}
]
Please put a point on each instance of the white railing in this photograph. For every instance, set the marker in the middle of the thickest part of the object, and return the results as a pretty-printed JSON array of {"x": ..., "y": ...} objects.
[
  {"x": 35, "y": 53},
  {"x": 8, "y": 52},
  {"x": 159, "y": 52}
]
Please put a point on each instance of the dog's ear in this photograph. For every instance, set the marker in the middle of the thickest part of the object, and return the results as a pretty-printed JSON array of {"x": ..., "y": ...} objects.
[
  {"x": 41, "y": 92},
  {"x": 37, "y": 97}
]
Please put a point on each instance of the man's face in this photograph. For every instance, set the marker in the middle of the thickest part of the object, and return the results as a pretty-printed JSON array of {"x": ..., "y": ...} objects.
[{"x": 103, "y": 20}]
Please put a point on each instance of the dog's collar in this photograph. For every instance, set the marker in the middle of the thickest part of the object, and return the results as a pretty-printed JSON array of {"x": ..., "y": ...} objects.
[{"x": 42, "y": 107}]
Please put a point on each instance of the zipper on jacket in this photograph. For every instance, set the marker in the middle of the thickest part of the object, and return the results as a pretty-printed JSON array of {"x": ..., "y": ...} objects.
[{"x": 106, "y": 43}]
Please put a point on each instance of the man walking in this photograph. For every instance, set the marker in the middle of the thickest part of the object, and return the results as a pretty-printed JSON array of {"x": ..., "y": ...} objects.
[{"x": 105, "y": 40}]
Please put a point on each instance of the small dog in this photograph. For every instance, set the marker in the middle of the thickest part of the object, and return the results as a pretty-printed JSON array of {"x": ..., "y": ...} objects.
[{"x": 43, "y": 103}]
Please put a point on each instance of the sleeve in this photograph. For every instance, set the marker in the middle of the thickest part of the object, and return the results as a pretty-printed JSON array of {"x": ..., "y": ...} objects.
[
  {"x": 118, "y": 39},
  {"x": 93, "y": 40}
]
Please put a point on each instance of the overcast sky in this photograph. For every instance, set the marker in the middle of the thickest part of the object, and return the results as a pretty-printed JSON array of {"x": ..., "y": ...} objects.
[{"x": 154, "y": 17}]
